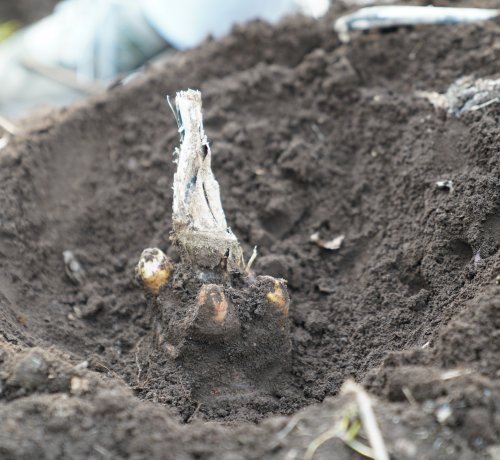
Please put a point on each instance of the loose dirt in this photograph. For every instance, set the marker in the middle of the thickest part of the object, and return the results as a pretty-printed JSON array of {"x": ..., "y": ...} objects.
[
  {"x": 308, "y": 135},
  {"x": 26, "y": 11}
]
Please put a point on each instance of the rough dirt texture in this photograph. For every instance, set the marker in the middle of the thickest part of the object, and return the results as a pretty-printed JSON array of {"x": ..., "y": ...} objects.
[
  {"x": 26, "y": 11},
  {"x": 308, "y": 135}
]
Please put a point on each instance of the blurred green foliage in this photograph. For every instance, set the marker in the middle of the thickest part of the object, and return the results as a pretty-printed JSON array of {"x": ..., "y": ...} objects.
[{"x": 7, "y": 28}]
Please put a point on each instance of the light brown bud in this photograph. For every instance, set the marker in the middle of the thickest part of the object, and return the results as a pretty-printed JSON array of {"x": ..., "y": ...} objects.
[
  {"x": 278, "y": 297},
  {"x": 154, "y": 269},
  {"x": 212, "y": 298}
]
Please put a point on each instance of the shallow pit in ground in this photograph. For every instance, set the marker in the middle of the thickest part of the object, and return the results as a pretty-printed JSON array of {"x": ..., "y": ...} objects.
[{"x": 307, "y": 136}]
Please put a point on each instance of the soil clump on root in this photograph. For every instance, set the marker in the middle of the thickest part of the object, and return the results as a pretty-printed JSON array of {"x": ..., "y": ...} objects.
[{"x": 309, "y": 136}]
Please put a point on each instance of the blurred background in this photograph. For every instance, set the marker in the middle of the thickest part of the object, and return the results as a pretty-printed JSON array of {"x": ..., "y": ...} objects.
[{"x": 53, "y": 53}]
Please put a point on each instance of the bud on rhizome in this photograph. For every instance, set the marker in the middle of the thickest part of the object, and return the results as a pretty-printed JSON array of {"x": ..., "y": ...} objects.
[{"x": 226, "y": 328}]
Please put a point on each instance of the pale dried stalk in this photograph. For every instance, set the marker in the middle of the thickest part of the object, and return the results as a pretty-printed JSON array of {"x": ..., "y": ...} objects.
[
  {"x": 368, "y": 419},
  {"x": 8, "y": 126},
  {"x": 199, "y": 224}
]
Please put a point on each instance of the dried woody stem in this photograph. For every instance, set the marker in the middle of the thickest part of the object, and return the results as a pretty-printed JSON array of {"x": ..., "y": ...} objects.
[{"x": 199, "y": 224}]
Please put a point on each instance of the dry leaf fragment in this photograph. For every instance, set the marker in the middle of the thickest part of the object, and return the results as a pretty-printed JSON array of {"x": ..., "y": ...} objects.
[
  {"x": 444, "y": 185},
  {"x": 331, "y": 245}
]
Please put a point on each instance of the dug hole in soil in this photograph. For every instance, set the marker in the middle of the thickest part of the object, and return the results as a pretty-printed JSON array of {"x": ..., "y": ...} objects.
[{"x": 308, "y": 135}]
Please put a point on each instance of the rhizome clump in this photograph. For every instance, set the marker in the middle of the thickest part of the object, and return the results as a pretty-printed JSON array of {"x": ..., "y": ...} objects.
[{"x": 223, "y": 327}]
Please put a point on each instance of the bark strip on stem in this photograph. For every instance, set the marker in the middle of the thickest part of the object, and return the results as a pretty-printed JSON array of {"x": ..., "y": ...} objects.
[{"x": 199, "y": 225}]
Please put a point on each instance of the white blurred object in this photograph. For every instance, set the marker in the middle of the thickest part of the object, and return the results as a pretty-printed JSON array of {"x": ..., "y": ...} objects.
[
  {"x": 186, "y": 24},
  {"x": 380, "y": 17},
  {"x": 85, "y": 44},
  {"x": 97, "y": 39}
]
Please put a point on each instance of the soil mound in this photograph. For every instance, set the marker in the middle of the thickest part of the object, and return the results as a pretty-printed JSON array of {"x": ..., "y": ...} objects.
[{"x": 308, "y": 136}]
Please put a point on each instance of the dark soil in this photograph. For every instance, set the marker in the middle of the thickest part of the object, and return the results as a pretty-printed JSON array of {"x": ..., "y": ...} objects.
[
  {"x": 308, "y": 135},
  {"x": 26, "y": 11}
]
